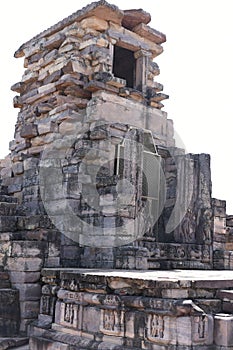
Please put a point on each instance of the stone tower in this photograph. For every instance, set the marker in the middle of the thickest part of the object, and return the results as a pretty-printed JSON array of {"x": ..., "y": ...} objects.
[
  {"x": 95, "y": 155},
  {"x": 94, "y": 180}
]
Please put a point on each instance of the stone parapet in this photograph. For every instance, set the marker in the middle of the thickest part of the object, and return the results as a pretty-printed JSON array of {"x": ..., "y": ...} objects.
[{"x": 133, "y": 310}]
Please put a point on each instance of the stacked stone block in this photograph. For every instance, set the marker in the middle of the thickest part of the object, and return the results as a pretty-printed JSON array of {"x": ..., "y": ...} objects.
[
  {"x": 69, "y": 80},
  {"x": 128, "y": 310},
  {"x": 89, "y": 92},
  {"x": 9, "y": 298}
]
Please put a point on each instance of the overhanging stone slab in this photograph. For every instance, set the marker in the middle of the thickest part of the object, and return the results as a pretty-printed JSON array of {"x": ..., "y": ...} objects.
[
  {"x": 149, "y": 33},
  {"x": 133, "y": 18},
  {"x": 164, "y": 279}
]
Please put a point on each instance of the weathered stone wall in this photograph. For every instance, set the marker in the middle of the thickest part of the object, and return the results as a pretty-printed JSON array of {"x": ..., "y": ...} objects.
[
  {"x": 68, "y": 80},
  {"x": 133, "y": 310},
  {"x": 62, "y": 181}
]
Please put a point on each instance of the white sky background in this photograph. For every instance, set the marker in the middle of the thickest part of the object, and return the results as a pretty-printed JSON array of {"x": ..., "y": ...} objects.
[{"x": 196, "y": 70}]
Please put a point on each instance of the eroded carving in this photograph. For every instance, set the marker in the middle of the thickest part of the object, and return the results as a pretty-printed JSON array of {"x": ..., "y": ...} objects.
[
  {"x": 69, "y": 315},
  {"x": 156, "y": 326},
  {"x": 45, "y": 305},
  {"x": 200, "y": 328},
  {"x": 112, "y": 322}
]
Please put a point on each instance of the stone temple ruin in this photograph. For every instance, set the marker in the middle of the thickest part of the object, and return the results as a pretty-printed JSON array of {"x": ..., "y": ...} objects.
[{"x": 109, "y": 236}]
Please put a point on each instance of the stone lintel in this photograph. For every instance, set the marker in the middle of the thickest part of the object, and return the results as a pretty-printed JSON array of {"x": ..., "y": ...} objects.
[{"x": 135, "y": 42}]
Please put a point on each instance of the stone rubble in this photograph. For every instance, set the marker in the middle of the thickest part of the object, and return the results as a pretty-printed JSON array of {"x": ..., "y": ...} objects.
[{"x": 94, "y": 180}]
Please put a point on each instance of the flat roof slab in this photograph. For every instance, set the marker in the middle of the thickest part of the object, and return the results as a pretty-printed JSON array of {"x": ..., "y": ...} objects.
[{"x": 214, "y": 279}]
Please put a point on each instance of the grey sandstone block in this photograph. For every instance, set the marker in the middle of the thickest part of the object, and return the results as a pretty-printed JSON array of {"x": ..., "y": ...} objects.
[
  {"x": 41, "y": 343},
  {"x": 24, "y": 264},
  {"x": 24, "y": 277},
  {"x": 28, "y": 291},
  {"x": 27, "y": 249},
  {"x": 7, "y": 223},
  {"x": 9, "y": 312},
  {"x": 29, "y": 309},
  {"x": 223, "y": 330}
]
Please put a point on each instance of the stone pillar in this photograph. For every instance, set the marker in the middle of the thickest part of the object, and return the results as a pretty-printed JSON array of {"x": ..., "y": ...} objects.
[
  {"x": 24, "y": 265},
  {"x": 223, "y": 330},
  {"x": 142, "y": 62}
]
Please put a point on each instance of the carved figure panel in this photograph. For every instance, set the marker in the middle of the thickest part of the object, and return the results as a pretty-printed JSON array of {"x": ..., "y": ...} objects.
[
  {"x": 185, "y": 232},
  {"x": 112, "y": 300},
  {"x": 69, "y": 315},
  {"x": 205, "y": 223},
  {"x": 161, "y": 329},
  {"x": 45, "y": 304},
  {"x": 155, "y": 327},
  {"x": 112, "y": 322},
  {"x": 200, "y": 328}
]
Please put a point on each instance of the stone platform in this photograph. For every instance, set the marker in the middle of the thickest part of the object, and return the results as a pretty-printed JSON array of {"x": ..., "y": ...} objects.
[
  {"x": 114, "y": 309},
  {"x": 95, "y": 179}
]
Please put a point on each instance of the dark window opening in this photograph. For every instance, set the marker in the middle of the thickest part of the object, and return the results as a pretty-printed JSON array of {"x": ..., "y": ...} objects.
[
  {"x": 144, "y": 186},
  {"x": 119, "y": 162},
  {"x": 151, "y": 175},
  {"x": 124, "y": 65}
]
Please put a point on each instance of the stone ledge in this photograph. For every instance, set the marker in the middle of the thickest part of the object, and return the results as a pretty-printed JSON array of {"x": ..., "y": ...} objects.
[
  {"x": 154, "y": 282},
  {"x": 172, "y": 276},
  {"x": 10, "y": 343}
]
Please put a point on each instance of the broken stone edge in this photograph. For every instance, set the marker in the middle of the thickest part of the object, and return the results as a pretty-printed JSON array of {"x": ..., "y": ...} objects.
[{"x": 76, "y": 16}]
